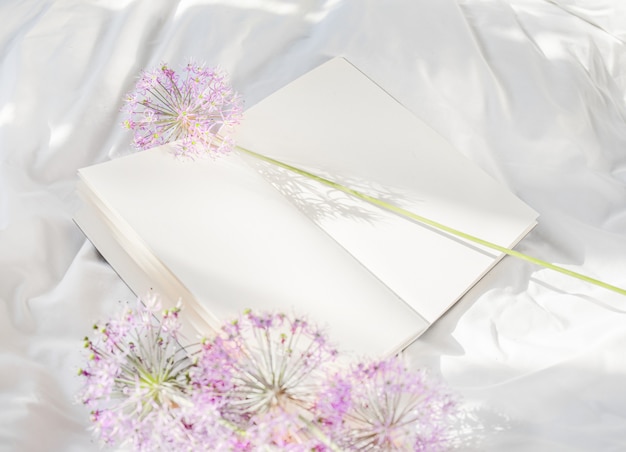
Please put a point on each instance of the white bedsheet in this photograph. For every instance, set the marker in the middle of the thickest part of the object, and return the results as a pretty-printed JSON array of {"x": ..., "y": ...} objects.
[{"x": 533, "y": 91}]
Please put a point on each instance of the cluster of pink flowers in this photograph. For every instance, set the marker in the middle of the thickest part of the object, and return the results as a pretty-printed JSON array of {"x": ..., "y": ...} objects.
[
  {"x": 196, "y": 110},
  {"x": 263, "y": 382}
]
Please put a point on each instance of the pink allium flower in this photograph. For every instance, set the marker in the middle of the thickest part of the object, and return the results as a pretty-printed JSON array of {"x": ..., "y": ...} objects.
[
  {"x": 197, "y": 110},
  {"x": 264, "y": 382},
  {"x": 264, "y": 370},
  {"x": 384, "y": 406},
  {"x": 136, "y": 380}
]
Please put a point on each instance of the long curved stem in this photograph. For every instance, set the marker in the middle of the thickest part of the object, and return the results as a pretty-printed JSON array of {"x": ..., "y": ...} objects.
[{"x": 442, "y": 227}]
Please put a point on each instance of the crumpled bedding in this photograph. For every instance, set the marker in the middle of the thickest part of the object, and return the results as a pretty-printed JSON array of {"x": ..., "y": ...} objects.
[{"x": 532, "y": 91}]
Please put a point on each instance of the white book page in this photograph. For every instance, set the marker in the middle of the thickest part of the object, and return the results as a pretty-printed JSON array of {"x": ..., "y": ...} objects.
[
  {"x": 337, "y": 123},
  {"x": 234, "y": 242}
]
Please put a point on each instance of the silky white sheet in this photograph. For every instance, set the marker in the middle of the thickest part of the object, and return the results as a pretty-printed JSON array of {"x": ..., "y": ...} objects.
[{"x": 533, "y": 91}]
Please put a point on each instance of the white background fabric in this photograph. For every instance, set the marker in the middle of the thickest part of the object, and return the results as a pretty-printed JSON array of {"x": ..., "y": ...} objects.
[{"x": 533, "y": 91}]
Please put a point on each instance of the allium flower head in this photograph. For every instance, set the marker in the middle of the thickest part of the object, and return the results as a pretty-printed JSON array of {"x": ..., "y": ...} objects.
[
  {"x": 265, "y": 369},
  {"x": 197, "y": 109},
  {"x": 136, "y": 377},
  {"x": 384, "y": 406}
]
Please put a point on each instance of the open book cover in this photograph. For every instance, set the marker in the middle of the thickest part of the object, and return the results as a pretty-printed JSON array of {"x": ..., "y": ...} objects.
[{"x": 232, "y": 233}]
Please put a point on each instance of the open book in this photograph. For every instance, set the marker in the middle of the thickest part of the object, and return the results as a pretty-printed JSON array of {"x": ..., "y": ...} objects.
[{"x": 234, "y": 232}]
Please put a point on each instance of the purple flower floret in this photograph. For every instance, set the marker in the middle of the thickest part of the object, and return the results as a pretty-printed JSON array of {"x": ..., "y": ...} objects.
[
  {"x": 136, "y": 379},
  {"x": 197, "y": 110},
  {"x": 384, "y": 406},
  {"x": 264, "y": 369}
]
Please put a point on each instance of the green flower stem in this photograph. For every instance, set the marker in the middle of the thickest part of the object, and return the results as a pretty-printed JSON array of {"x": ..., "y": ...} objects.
[{"x": 442, "y": 227}]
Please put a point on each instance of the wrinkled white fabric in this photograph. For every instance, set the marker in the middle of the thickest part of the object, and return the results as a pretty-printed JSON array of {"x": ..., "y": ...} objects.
[{"x": 533, "y": 91}]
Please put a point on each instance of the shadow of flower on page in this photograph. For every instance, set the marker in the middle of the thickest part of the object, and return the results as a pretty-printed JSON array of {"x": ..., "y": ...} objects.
[{"x": 319, "y": 202}]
